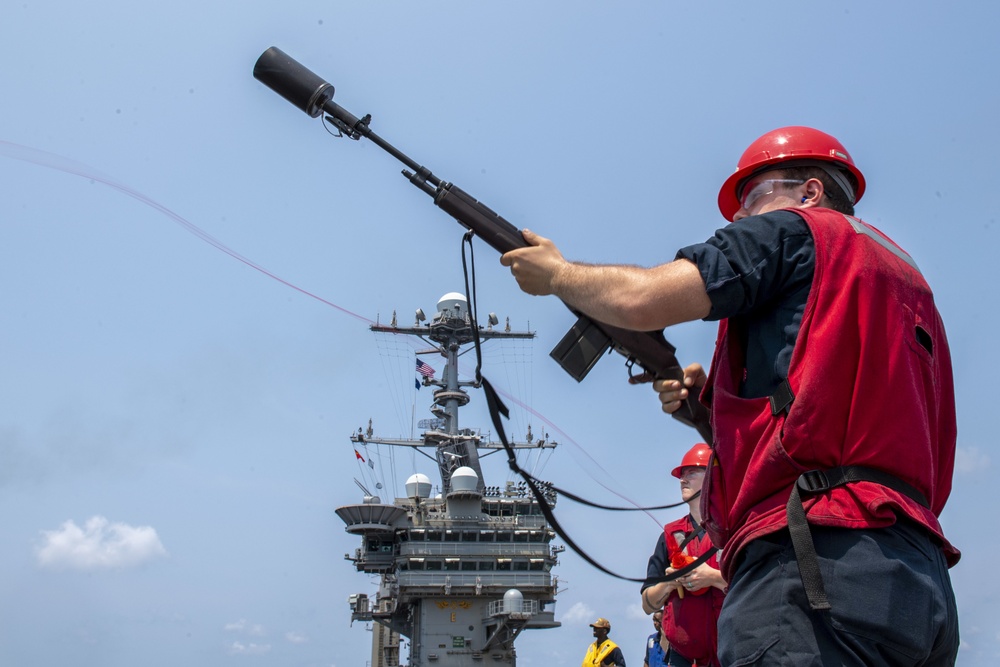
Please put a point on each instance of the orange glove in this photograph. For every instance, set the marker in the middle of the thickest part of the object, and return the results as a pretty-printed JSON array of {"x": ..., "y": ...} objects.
[{"x": 679, "y": 560}]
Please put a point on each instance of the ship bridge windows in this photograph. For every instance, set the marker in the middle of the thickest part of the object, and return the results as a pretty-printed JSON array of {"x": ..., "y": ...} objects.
[
  {"x": 426, "y": 535},
  {"x": 375, "y": 545},
  {"x": 412, "y": 564},
  {"x": 453, "y": 565}
]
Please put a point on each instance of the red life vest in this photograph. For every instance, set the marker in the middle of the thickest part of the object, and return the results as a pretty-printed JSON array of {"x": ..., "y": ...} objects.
[
  {"x": 872, "y": 384},
  {"x": 690, "y": 623}
]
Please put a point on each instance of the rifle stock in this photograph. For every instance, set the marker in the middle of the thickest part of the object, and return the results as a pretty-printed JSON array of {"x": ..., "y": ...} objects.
[{"x": 588, "y": 339}]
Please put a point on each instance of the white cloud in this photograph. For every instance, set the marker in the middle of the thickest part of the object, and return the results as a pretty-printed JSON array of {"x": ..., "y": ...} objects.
[
  {"x": 239, "y": 648},
  {"x": 579, "y": 613},
  {"x": 100, "y": 544},
  {"x": 296, "y": 637},
  {"x": 970, "y": 460},
  {"x": 634, "y": 612},
  {"x": 243, "y": 626}
]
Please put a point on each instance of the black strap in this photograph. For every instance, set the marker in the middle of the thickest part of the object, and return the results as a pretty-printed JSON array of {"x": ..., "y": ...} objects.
[
  {"x": 698, "y": 532},
  {"x": 682, "y": 572},
  {"x": 782, "y": 398},
  {"x": 819, "y": 481},
  {"x": 690, "y": 567},
  {"x": 497, "y": 408},
  {"x": 590, "y": 503}
]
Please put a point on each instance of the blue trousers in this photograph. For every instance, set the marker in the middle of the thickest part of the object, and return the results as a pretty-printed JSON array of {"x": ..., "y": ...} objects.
[
  {"x": 889, "y": 589},
  {"x": 675, "y": 659}
]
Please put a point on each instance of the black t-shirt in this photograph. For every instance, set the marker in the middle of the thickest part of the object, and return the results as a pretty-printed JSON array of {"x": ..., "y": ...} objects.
[{"x": 757, "y": 273}]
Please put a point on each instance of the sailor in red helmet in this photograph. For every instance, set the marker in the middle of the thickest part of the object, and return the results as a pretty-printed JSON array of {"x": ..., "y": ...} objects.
[
  {"x": 832, "y": 404},
  {"x": 690, "y": 604}
]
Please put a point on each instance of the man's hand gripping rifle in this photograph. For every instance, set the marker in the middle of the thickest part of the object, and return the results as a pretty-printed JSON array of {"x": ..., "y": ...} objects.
[{"x": 588, "y": 339}]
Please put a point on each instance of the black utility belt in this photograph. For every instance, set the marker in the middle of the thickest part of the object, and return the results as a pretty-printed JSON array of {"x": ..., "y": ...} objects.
[{"x": 819, "y": 481}]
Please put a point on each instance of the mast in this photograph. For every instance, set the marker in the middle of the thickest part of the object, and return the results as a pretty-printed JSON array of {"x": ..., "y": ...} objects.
[{"x": 463, "y": 573}]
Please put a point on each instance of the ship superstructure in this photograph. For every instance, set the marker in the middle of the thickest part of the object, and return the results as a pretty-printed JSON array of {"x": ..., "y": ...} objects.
[{"x": 462, "y": 573}]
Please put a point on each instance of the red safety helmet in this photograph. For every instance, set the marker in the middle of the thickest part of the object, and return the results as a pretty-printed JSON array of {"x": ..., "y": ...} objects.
[
  {"x": 784, "y": 145},
  {"x": 696, "y": 456}
]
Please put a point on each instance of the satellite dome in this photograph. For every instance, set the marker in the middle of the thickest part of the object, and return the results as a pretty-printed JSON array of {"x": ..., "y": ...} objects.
[
  {"x": 513, "y": 600},
  {"x": 453, "y": 306},
  {"x": 418, "y": 486},
  {"x": 464, "y": 479}
]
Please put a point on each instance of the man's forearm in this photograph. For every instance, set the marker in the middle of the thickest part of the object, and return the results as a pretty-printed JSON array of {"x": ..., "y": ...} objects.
[
  {"x": 633, "y": 297},
  {"x": 654, "y": 596},
  {"x": 629, "y": 297}
]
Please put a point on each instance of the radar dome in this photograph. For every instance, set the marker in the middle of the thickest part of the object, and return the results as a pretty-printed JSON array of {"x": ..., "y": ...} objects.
[
  {"x": 513, "y": 600},
  {"x": 464, "y": 479},
  {"x": 453, "y": 306},
  {"x": 418, "y": 486}
]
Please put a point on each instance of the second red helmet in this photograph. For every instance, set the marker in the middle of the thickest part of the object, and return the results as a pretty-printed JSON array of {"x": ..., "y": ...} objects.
[{"x": 696, "y": 456}]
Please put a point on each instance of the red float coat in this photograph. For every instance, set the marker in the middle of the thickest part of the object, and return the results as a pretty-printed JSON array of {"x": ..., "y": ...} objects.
[
  {"x": 871, "y": 377},
  {"x": 690, "y": 623}
]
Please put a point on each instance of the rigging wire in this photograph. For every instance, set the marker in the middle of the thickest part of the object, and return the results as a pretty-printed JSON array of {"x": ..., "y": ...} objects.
[{"x": 73, "y": 167}]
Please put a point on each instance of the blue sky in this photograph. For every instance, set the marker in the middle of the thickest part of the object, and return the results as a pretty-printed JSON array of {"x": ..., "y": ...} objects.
[{"x": 174, "y": 431}]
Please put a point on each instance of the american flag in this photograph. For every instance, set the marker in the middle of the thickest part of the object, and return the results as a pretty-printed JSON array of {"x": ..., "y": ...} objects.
[{"x": 424, "y": 369}]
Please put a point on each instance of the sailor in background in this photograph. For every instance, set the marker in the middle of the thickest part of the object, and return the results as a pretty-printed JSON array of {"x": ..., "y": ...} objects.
[
  {"x": 691, "y": 604},
  {"x": 603, "y": 651},
  {"x": 656, "y": 646}
]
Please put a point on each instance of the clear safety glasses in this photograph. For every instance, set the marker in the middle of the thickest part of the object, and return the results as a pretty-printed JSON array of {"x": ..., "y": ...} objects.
[{"x": 762, "y": 189}]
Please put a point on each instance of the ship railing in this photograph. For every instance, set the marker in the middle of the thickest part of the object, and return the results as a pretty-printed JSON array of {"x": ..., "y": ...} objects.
[
  {"x": 514, "y": 608},
  {"x": 493, "y": 522},
  {"x": 473, "y": 549},
  {"x": 522, "y": 580}
]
